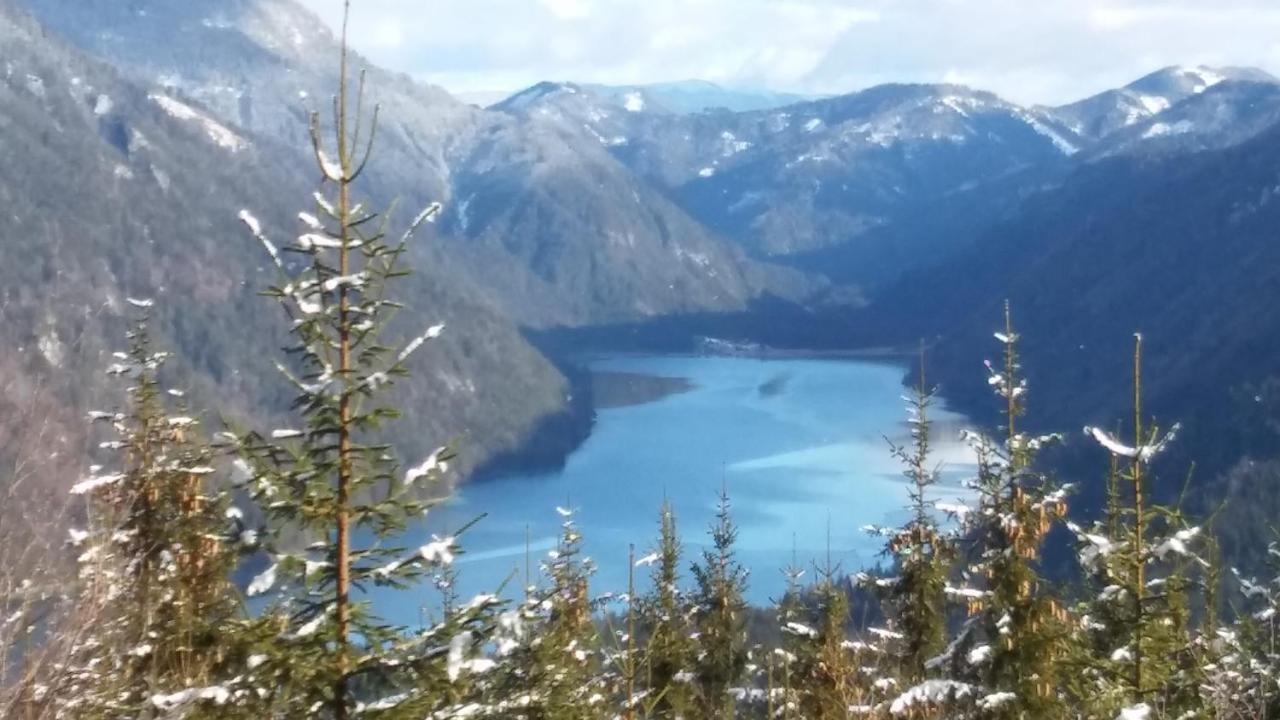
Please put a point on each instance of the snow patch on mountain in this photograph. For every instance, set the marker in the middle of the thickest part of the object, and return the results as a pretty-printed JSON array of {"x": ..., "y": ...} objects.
[
  {"x": 1065, "y": 146},
  {"x": 633, "y": 102},
  {"x": 1154, "y": 104},
  {"x": 1204, "y": 77},
  {"x": 731, "y": 145},
  {"x": 220, "y": 134},
  {"x": 35, "y": 85},
  {"x": 1159, "y": 129}
]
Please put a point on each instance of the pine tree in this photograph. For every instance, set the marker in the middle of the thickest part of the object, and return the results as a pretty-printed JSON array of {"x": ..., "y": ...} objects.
[
  {"x": 1138, "y": 644},
  {"x": 922, "y": 551},
  {"x": 1243, "y": 668},
  {"x": 719, "y": 618},
  {"x": 329, "y": 479},
  {"x": 914, "y": 601},
  {"x": 1018, "y": 630},
  {"x": 155, "y": 559},
  {"x": 670, "y": 650},
  {"x": 796, "y": 651},
  {"x": 828, "y": 664},
  {"x": 552, "y": 671}
]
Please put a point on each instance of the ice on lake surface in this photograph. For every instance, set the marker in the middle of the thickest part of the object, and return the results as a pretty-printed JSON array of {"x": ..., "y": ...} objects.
[{"x": 800, "y": 445}]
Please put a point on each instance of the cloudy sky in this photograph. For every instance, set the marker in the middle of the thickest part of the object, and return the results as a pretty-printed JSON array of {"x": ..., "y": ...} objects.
[{"x": 1030, "y": 51}]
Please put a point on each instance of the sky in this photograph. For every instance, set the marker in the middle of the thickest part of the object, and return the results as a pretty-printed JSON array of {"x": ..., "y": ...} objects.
[{"x": 1029, "y": 51}]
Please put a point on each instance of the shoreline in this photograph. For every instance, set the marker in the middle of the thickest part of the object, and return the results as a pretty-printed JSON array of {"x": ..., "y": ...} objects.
[
  {"x": 612, "y": 390},
  {"x": 548, "y": 446}
]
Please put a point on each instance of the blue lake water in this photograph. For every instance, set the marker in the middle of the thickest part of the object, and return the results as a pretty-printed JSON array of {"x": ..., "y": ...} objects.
[{"x": 800, "y": 445}]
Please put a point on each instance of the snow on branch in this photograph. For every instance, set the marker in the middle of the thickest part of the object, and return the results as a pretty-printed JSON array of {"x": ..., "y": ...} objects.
[
  {"x": 432, "y": 333},
  {"x": 255, "y": 228},
  {"x": 95, "y": 482},
  {"x": 1142, "y": 453},
  {"x": 434, "y": 463},
  {"x": 930, "y": 693}
]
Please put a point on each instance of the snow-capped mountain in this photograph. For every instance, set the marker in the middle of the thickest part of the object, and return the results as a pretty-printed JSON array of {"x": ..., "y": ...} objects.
[
  {"x": 693, "y": 96},
  {"x": 817, "y": 174},
  {"x": 1096, "y": 117},
  {"x": 679, "y": 98},
  {"x": 1225, "y": 114}
]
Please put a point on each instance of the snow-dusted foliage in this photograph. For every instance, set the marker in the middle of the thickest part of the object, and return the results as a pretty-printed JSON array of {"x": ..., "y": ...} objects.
[
  {"x": 329, "y": 479},
  {"x": 1016, "y": 632},
  {"x": 719, "y": 619},
  {"x": 921, "y": 552},
  {"x": 553, "y": 664},
  {"x": 1144, "y": 562},
  {"x": 154, "y": 557}
]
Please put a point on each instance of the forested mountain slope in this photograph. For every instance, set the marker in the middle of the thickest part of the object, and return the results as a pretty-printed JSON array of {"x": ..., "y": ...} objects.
[
  {"x": 1181, "y": 248},
  {"x": 113, "y": 190},
  {"x": 547, "y": 223}
]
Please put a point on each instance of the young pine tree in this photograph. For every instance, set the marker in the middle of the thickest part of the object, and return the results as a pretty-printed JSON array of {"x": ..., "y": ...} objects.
[
  {"x": 328, "y": 478},
  {"x": 155, "y": 559},
  {"x": 1018, "y": 629},
  {"x": 1243, "y": 678},
  {"x": 1141, "y": 559},
  {"x": 796, "y": 651},
  {"x": 552, "y": 672},
  {"x": 719, "y": 616},
  {"x": 670, "y": 651},
  {"x": 914, "y": 601},
  {"x": 922, "y": 551},
  {"x": 827, "y": 669}
]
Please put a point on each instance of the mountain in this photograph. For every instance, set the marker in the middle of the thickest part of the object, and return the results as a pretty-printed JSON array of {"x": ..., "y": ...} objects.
[
  {"x": 554, "y": 230},
  {"x": 114, "y": 189},
  {"x": 692, "y": 96},
  {"x": 1226, "y": 114},
  {"x": 1096, "y": 117},
  {"x": 857, "y": 172},
  {"x": 1178, "y": 247}
]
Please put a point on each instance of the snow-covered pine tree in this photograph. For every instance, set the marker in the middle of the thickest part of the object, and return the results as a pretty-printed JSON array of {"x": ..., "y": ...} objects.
[
  {"x": 155, "y": 558},
  {"x": 1017, "y": 632},
  {"x": 922, "y": 551},
  {"x": 914, "y": 601},
  {"x": 827, "y": 670},
  {"x": 670, "y": 651},
  {"x": 329, "y": 478},
  {"x": 795, "y": 651},
  {"x": 1137, "y": 653},
  {"x": 552, "y": 669},
  {"x": 719, "y": 617},
  {"x": 1243, "y": 668}
]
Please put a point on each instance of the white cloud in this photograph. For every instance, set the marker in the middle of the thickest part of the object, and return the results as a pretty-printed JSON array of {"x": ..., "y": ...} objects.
[
  {"x": 568, "y": 9},
  {"x": 1041, "y": 51}
]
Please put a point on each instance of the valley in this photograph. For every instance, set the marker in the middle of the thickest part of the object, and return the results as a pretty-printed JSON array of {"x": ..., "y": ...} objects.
[{"x": 328, "y": 394}]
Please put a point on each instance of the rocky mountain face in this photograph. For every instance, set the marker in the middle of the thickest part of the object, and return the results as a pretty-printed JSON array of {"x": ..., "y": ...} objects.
[
  {"x": 113, "y": 189},
  {"x": 554, "y": 231}
]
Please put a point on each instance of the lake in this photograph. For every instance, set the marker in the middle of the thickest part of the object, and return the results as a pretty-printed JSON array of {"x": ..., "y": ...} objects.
[{"x": 800, "y": 445}]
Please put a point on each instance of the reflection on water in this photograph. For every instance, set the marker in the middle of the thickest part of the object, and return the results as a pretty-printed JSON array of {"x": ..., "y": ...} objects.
[{"x": 806, "y": 464}]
